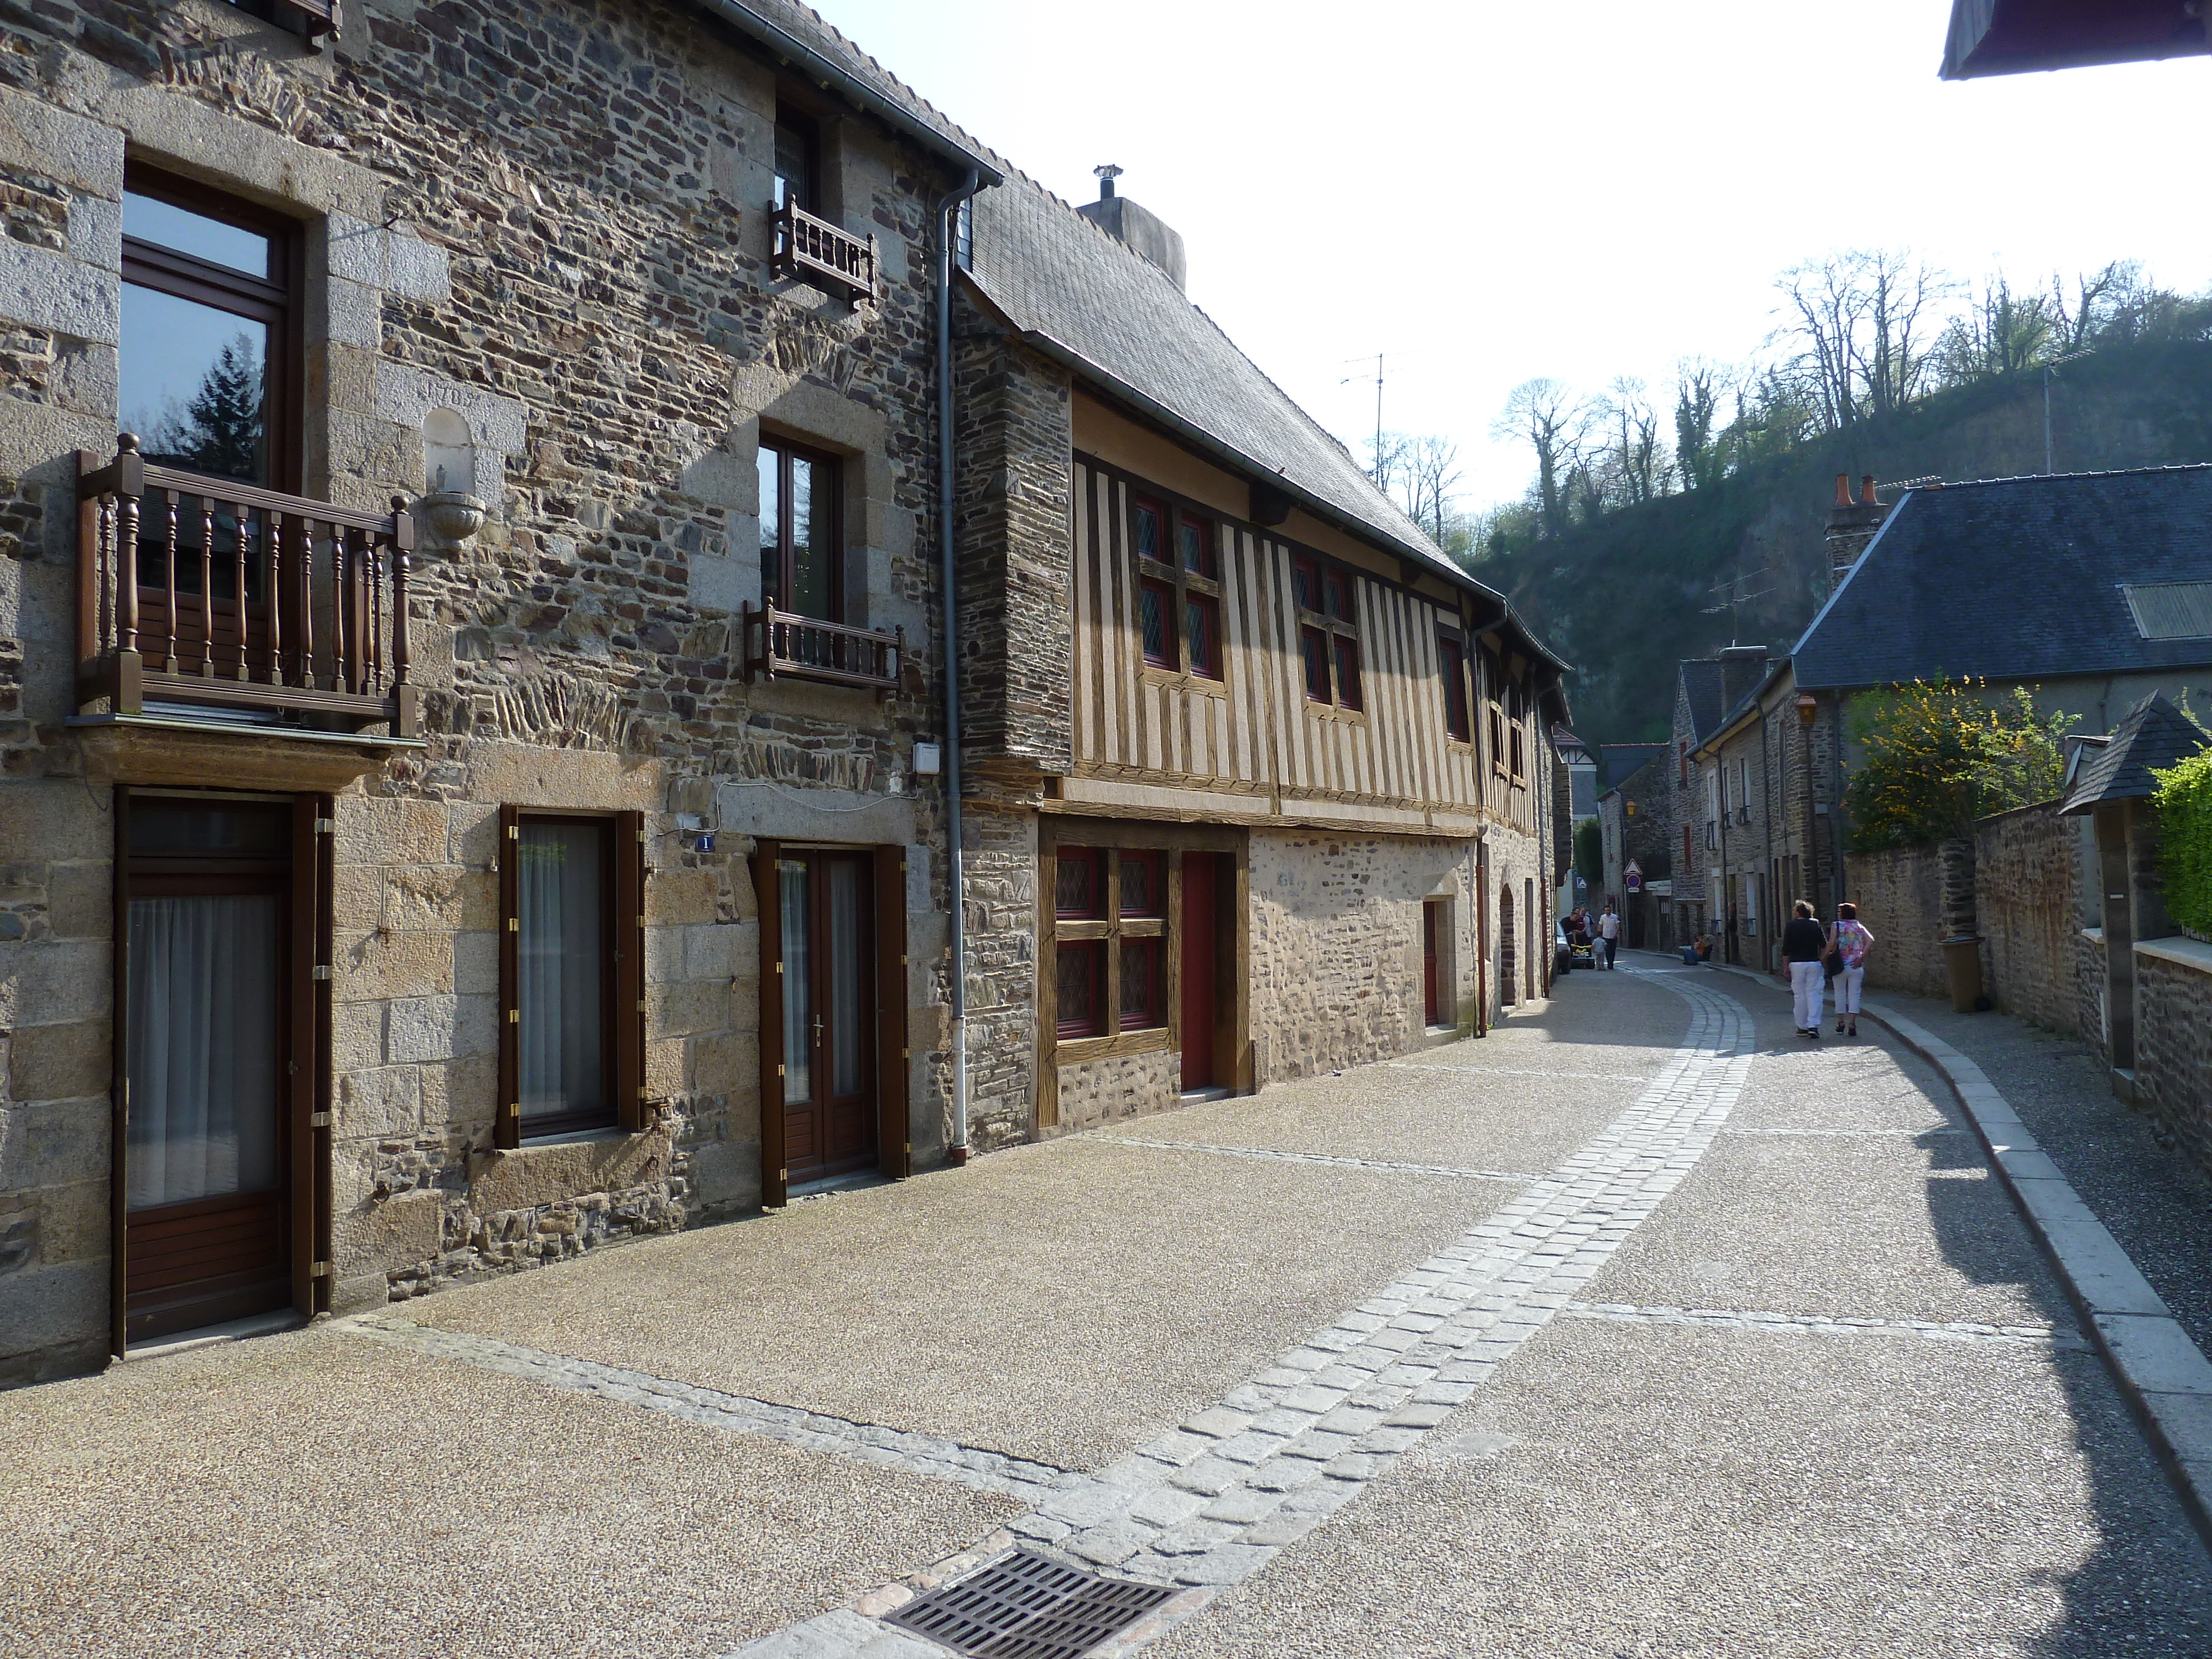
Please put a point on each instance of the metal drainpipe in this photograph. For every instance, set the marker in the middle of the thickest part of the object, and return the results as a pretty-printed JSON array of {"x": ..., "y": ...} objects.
[{"x": 947, "y": 211}]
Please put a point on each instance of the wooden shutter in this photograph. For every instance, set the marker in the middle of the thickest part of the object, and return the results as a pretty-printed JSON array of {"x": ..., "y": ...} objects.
[
  {"x": 629, "y": 970},
  {"x": 507, "y": 1122},
  {"x": 894, "y": 1147},
  {"x": 767, "y": 892},
  {"x": 309, "y": 1106},
  {"x": 118, "y": 1172}
]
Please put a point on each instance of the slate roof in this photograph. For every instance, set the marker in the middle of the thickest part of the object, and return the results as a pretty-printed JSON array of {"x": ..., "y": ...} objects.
[
  {"x": 2154, "y": 736},
  {"x": 1061, "y": 279},
  {"x": 1619, "y": 762},
  {"x": 1081, "y": 296},
  {"x": 2015, "y": 579},
  {"x": 1702, "y": 684}
]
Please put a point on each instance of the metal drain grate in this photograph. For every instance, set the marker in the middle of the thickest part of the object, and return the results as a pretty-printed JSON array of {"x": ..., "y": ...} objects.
[{"x": 1025, "y": 1605}]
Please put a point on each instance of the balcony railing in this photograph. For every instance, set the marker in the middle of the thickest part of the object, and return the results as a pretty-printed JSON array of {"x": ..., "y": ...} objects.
[
  {"x": 778, "y": 644},
  {"x": 808, "y": 247},
  {"x": 197, "y": 591}
]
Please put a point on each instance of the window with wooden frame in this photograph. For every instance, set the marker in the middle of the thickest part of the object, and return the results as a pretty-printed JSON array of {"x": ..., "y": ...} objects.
[
  {"x": 208, "y": 361},
  {"x": 801, "y": 541},
  {"x": 1451, "y": 666},
  {"x": 572, "y": 973},
  {"x": 1109, "y": 916},
  {"x": 1178, "y": 587},
  {"x": 1516, "y": 732},
  {"x": 798, "y": 160},
  {"x": 1329, "y": 632}
]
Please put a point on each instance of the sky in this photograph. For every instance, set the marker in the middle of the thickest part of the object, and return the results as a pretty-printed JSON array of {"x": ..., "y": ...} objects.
[{"x": 1488, "y": 191}]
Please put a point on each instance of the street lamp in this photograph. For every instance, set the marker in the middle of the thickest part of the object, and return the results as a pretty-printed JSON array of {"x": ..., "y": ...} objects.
[{"x": 2070, "y": 357}]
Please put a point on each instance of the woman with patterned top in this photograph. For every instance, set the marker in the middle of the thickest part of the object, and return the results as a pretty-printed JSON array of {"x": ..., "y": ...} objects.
[{"x": 1849, "y": 936}]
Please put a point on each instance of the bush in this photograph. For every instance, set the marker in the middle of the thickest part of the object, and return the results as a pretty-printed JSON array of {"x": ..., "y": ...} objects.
[
  {"x": 1939, "y": 753},
  {"x": 2185, "y": 820},
  {"x": 1589, "y": 855}
]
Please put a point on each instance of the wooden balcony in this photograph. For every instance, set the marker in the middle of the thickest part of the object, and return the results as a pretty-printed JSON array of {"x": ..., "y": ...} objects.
[
  {"x": 779, "y": 645},
  {"x": 238, "y": 601},
  {"x": 816, "y": 251}
]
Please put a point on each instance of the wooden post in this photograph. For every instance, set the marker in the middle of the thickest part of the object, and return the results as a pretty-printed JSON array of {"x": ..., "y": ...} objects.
[{"x": 207, "y": 586}]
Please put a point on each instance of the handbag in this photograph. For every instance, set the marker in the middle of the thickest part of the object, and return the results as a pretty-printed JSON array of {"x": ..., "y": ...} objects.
[{"x": 1832, "y": 964}]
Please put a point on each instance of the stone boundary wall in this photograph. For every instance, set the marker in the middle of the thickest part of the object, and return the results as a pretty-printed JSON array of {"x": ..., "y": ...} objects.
[
  {"x": 1899, "y": 894},
  {"x": 2173, "y": 1040},
  {"x": 2027, "y": 870}
]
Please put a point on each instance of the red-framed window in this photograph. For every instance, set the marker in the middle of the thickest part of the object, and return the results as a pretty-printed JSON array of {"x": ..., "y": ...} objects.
[
  {"x": 1328, "y": 632},
  {"x": 1451, "y": 663},
  {"x": 1109, "y": 925},
  {"x": 1178, "y": 587}
]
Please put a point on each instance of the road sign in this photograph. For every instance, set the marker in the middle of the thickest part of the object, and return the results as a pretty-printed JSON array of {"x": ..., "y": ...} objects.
[{"x": 1633, "y": 878}]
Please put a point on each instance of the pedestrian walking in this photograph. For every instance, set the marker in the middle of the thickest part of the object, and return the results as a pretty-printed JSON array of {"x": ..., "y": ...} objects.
[
  {"x": 1609, "y": 929},
  {"x": 1804, "y": 941},
  {"x": 1850, "y": 938}
]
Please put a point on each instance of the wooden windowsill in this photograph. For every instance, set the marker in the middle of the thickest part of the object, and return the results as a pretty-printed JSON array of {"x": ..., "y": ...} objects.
[
  {"x": 1212, "y": 685},
  {"x": 1331, "y": 711},
  {"x": 1075, "y": 1051}
]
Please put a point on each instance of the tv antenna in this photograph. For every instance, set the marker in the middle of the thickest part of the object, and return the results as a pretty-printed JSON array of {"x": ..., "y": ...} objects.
[{"x": 1349, "y": 379}]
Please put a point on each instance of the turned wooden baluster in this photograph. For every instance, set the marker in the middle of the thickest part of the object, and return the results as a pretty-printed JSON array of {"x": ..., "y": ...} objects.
[
  {"x": 126, "y": 572},
  {"x": 306, "y": 630},
  {"x": 272, "y": 587},
  {"x": 207, "y": 586},
  {"x": 169, "y": 585},
  {"x": 375, "y": 585},
  {"x": 238, "y": 577},
  {"x": 399, "y": 602},
  {"x": 106, "y": 573}
]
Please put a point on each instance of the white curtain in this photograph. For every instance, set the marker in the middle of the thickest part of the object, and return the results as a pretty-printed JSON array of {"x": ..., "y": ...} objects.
[
  {"x": 202, "y": 1047},
  {"x": 563, "y": 994},
  {"x": 797, "y": 920},
  {"x": 847, "y": 1000}
]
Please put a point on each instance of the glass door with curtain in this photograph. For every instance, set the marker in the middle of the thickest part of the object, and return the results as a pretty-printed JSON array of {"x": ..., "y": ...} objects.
[
  {"x": 564, "y": 1076},
  {"x": 206, "y": 1159},
  {"x": 826, "y": 911}
]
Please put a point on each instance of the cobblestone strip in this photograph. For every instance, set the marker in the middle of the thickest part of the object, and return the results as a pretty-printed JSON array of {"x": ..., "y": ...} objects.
[
  {"x": 2032, "y": 1334},
  {"x": 1319, "y": 1158},
  {"x": 1209, "y": 1503},
  {"x": 1902, "y": 1134},
  {"x": 1514, "y": 1071},
  {"x": 865, "y": 1443}
]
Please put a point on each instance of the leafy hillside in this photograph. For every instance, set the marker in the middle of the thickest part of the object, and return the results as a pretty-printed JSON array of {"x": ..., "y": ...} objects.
[{"x": 1624, "y": 593}]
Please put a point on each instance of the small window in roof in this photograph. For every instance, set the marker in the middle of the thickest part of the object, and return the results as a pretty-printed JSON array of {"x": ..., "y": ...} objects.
[{"x": 2171, "y": 610}]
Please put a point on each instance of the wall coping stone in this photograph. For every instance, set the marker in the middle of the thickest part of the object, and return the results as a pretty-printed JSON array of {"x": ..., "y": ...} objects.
[{"x": 2185, "y": 952}]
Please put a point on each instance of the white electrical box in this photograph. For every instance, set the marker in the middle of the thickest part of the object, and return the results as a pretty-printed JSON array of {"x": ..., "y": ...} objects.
[{"x": 928, "y": 760}]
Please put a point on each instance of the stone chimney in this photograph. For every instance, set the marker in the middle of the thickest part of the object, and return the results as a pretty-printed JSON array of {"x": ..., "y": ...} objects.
[
  {"x": 1742, "y": 668},
  {"x": 1135, "y": 227},
  {"x": 1851, "y": 525}
]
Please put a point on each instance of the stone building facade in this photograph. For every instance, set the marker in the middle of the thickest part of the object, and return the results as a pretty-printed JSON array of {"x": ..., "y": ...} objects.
[
  {"x": 472, "y": 773},
  {"x": 531, "y": 258}
]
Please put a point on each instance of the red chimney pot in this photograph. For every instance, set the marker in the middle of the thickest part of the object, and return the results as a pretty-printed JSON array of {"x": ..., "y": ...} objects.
[
  {"x": 1843, "y": 490},
  {"x": 1866, "y": 491}
]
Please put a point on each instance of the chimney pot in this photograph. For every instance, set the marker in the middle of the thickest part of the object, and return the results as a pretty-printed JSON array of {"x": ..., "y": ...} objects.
[
  {"x": 1866, "y": 489},
  {"x": 1106, "y": 175},
  {"x": 1843, "y": 490}
]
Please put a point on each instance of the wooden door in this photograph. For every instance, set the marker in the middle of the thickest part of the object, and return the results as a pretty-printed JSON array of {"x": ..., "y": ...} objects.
[
  {"x": 1430, "y": 1001},
  {"x": 1200, "y": 973},
  {"x": 825, "y": 914},
  {"x": 207, "y": 1171}
]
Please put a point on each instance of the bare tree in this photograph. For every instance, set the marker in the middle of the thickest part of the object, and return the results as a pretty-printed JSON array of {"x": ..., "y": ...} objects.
[
  {"x": 2096, "y": 301},
  {"x": 1638, "y": 460},
  {"x": 1556, "y": 424},
  {"x": 2001, "y": 333},
  {"x": 1700, "y": 458},
  {"x": 1863, "y": 322}
]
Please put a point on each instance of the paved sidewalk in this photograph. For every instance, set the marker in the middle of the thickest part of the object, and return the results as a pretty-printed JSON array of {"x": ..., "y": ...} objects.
[{"x": 1638, "y": 1328}]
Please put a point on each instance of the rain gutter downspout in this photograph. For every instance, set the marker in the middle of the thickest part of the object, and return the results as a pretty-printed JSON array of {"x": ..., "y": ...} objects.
[{"x": 955, "y": 1152}]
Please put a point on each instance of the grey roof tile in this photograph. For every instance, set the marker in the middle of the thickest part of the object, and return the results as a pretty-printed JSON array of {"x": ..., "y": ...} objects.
[
  {"x": 2154, "y": 736},
  {"x": 2015, "y": 579}
]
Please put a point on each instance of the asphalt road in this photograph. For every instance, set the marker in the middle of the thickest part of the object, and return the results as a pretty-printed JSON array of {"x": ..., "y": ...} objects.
[{"x": 1819, "y": 1396}]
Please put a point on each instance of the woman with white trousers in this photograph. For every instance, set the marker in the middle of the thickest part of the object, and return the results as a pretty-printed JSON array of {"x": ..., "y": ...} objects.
[
  {"x": 1802, "y": 943},
  {"x": 1851, "y": 937}
]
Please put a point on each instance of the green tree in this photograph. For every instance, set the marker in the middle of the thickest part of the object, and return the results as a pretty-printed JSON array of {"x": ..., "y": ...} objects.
[
  {"x": 1589, "y": 855},
  {"x": 219, "y": 430},
  {"x": 1938, "y": 754},
  {"x": 2184, "y": 840}
]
